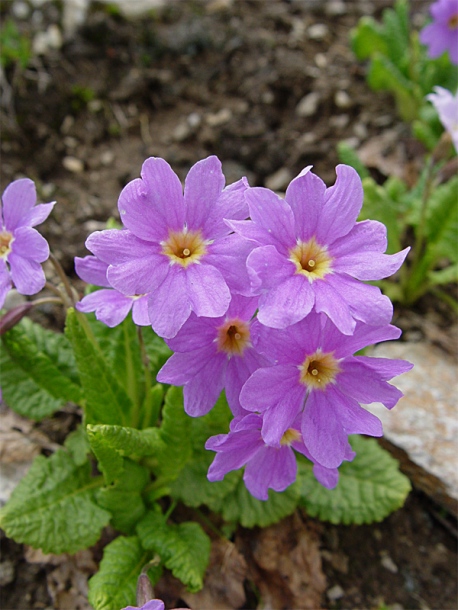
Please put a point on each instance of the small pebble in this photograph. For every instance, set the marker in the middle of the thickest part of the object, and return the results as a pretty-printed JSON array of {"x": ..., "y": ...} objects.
[
  {"x": 342, "y": 99},
  {"x": 6, "y": 572},
  {"x": 219, "y": 118},
  {"x": 20, "y": 10},
  {"x": 308, "y": 105},
  {"x": 388, "y": 563},
  {"x": 72, "y": 164},
  {"x": 335, "y": 593},
  {"x": 335, "y": 8},
  {"x": 318, "y": 31},
  {"x": 321, "y": 60},
  {"x": 194, "y": 120},
  {"x": 279, "y": 180},
  {"x": 107, "y": 157}
]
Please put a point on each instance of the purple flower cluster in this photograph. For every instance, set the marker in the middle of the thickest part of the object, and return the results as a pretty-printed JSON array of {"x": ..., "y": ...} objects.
[
  {"x": 22, "y": 248},
  {"x": 261, "y": 297},
  {"x": 441, "y": 34}
]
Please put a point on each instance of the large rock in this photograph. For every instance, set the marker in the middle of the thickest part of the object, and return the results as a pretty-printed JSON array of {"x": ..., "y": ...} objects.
[{"x": 424, "y": 423}]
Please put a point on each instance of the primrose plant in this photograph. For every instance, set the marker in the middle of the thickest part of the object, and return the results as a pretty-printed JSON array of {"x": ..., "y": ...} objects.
[{"x": 217, "y": 361}]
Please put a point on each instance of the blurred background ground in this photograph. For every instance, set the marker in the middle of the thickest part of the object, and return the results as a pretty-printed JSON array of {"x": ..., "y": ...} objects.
[{"x": 269, "y": 87}]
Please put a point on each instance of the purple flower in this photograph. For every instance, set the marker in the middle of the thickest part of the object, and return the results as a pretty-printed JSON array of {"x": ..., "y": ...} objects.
[
  {"x": 317, "y": 378},
  {"x": 177, "y": 247},
  {"x": 446, "y": 105},
  {"x": 266, "y": 466},
  {"x": 22, "y": 248},
  {"x": 442, "y": 34},
  {"x": 111, "y": 306},
  {"x": 153, "y": 604},
  {"x": 212, "y": 354},
  {"x": 311, "y": 253}
]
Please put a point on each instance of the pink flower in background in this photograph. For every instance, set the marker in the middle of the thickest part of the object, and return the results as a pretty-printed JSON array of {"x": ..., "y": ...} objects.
[
  {"x": 111, "y": 306},
  {"x": 266, "y": 467},
  {"x": 442, "y": 34},
  {"x": 446, "y": 105},
  {"x": 22, "y": 248},
  {"x": 176, "y": 247},
  {"x": 317, "y": 378},
  {"x": 212, "y": 354},
  {"x": 310, "y": 253}
]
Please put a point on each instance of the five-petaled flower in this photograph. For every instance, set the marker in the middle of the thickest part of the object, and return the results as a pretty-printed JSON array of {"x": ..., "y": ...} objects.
[
  {"x": 212, "y": 354},
  {"x": 22, "y": 248},
  {"x": 266, "y": 466},
  {"x": 441, "y": 34},
  {"x": 309, "y": 252},
  {"x": 316, "y": 377},
  {"x": 176, "y": 247},
  {"x": 446, "y": 105}
]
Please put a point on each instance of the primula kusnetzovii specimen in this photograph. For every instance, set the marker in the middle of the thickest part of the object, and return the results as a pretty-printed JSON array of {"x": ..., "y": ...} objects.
[
  {"x": 261, "y": 297},
  {"x": 441, "y": 34}
]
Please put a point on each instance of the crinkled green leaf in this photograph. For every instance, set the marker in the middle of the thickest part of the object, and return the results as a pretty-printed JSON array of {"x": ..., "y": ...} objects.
[
  {"x": 22, "y": 394},
  {"x": 41, "y": 362},
  {"x": 348, "y": 155},
  {"x": 184, "y": 548},
  {"x": 77, "y": 443},
  {"x": 367, "y": 38},
  {"x": 114, "y": 586},
  {"x": 156, "y": 348},
  {"x": 444, "y": 276},
  {"x": 378, "y": 205},
  {"x": 369, "y": 489},
  {"x": 193, "y": 488},
  {"x": 53, "y": 506},
  {"x": 123, "y": 499},
  {"x": 106, "y": 401},
  {"x": 240, "y": 506},
  {"x": 442, "y": 219},
  {"x": 397, "y": 32}
]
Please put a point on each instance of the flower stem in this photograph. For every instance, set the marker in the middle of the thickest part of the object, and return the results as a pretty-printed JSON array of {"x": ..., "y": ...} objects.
[{"x": 64, "y": 279}]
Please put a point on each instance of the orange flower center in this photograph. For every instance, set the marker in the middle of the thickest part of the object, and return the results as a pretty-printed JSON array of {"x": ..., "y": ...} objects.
[
  {"x": 319, "y": 370},
  {"x": 6, "y": 239},
  {"x": 453, "y": 22},
  {"x": 233, "y": 337},
  {"x": 184, "y": 247},
  {"x": 290, "y": 436},
  {"x": 311, "y": 259}
]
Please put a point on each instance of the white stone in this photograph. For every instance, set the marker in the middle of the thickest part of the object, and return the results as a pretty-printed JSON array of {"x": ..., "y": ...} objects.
[
  {"x": 335, "y": 593},
  {"x": 72, "y": 164},
  {"x": 279, "y": 180},
  {"x": 47, "y": 40},
  {"x": 424, "y": 422},
  {"x": 318, "y": 31},
  {"x": 219, "y": 118},
  {"x": 308, "y": 105}
]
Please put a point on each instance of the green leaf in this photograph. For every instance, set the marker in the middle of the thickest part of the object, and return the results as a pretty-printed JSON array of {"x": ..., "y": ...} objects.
[
  {"x": 45, "y": 358},
  {"x": 77, "y": 443},
  {"x": 175, "y": 434},
  {"x": 369, "y": 489},
  {"x": 442, "y": 218},
  {"x": 52, "y": 508},
  {"x": 367, "y": 38},
  {"x": 241, "y": 507},
  {"x": 378, "y": 205},
  {"x": 106, "y": 401},
  {"x": 184, "y": 548},
  {"x": 383, "y": 74},
  {"x": 443, "y": 276},
  {"x": 397, "y": 32},
  {"x": 123, "y": 499},
  {"x": 115, "y": 584},
  {"x": 348, "y": 155},
  {"x": 156, "y": 348},
  {"x": 22, "y": 394},
  {"x": 193, "y": 488}
]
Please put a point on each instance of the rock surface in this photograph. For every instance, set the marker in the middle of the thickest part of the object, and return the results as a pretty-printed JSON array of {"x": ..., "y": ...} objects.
[{"x": 424, "y": 423}]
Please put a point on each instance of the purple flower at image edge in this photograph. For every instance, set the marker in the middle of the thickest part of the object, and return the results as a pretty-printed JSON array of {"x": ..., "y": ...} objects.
[
  {"x": 446, "y": 105},
  {"x": 317, "y": 378},
  {"x": 442, "y": 34},
  {"x": 176, "y": 246},
  {"x": 212, "y": 354},
  {"x": 22, "y": 248},
  {"x": 153, "y": 604},
  {"x": 110, "y": 306},
  {"x": 266, "y": 467},
  {"x": 309, "y": 252}
]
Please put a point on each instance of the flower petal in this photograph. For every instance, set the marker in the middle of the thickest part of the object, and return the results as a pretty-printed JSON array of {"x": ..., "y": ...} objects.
[
  {"x": 139, "y": 276},
  {"x": 229, "y": 255},
  {"x": 27, "y": 275},
  {"x": 207, "y": 291},
  {"x": 5, "y": 282},
  {"x": 18, "y": 199},
  {"x": 332, "y": 302},
  {"x": 267, "y": 268},
  {"x": 115, "y": 246},
  {"x": 140, "y": 314},
  {"x": 370, "y": 265},
  {"x": 39, "y": 214},
  {"x": 181, "y": 367},
  {"x": 201, "y": 393},
  {"x": 272, "y": 214},
  {"x": 92, "y": 270},
  {"x": 352, "y": 417},
  {"x": 342, "y": 204},
  {"x": 203, "y": 186},
  {"x": 169, "y": 305},
  {"x": 277, "y": 419},
  {"x": 365, "y": 236},
  {"x": 305, "y": 195},
  {"x": 270, "y": 468},
  {"x": 29, "y": 244},
  {"x": 110, "y": 306},
  {"x": 287, "y": 303},
  {"x": 268, "y": 386}
]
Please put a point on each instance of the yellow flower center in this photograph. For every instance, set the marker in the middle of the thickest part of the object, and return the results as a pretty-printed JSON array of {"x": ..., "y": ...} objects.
[
  {"x": 233, "y": 337},
  {"x": 311, "y": 259},
  {"x": 319, "y": 370},
  {"x": 453, "y": 22},
  {"x": 184, "y": 247},
  {"x": 6, "y": 239},
  {"x": 290, "y": 436}
]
